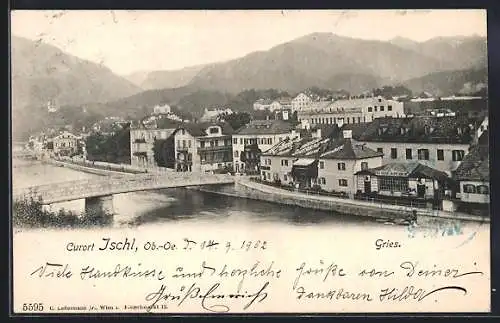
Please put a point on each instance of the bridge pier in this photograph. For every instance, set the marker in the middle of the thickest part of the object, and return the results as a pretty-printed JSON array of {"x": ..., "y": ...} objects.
[{"x": 99, "y": 206}]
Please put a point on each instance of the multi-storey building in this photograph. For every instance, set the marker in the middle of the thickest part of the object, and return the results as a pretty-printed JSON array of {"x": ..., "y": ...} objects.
[
  {"x": 142, "y": 141},
  {"x": 262, "y": 104},
  {"x": 66, "y": 144},
  {"x": 358, "y": 110},
  {"x": 212, "y": 114},
  {"x": 254, "y": 138},
  {"x": 437, "y": 142},
  {"x": 301, "y": 101},
  {"x": 202, "y": 147},
  {"x": 281, "y": 104},
  {"x": 328, "y": 163}
]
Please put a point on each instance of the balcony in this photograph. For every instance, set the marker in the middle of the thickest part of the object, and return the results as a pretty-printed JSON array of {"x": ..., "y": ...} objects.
[
  {"x": 215, "y": 148},
  {"x": 182, "y": 149}
]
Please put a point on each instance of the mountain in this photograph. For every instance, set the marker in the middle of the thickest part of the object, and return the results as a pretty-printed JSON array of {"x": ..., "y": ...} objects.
[
  {"x": 41, "y": 72},
  {"x": 319, "y": 58},
  {"x": 456, "y": 53},
  {"x": 165, "y": 79},
  {"x": 467, "y": 81}
]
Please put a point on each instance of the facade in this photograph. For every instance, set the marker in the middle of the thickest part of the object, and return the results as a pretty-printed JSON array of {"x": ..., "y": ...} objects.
[
  {"x": 281, "y": 104},
  {"x": 262, "y": 104},
  {"x": 357, "y": 110},
  {"x": 413, "y": 180},
  {"x": 256, "y": 137},
  {"x": 66, "y": 144},
  {"x": 301, "y": 102},
  {"x": 212, "y": 114},
  {"x": 325, "y": 163},
  {"x": 142, "y": 142},
  {"x": 203, "y": 147},
  {"x": 162, "y": 109},
  {"x": 440, "y": 143}
]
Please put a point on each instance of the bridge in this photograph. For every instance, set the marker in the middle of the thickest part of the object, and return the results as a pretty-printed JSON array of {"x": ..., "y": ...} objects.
[{"x": 98, "y": 193}]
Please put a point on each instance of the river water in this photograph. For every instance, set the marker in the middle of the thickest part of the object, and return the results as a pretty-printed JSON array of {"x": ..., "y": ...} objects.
[{"x": 182, "y": 206}]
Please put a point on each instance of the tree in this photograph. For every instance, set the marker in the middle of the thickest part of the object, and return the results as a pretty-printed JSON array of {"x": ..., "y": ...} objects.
[
  {"x": 163, "y": 151},
  {"x": 113, "y": 148},
  {"x": 236, "y": 120}
]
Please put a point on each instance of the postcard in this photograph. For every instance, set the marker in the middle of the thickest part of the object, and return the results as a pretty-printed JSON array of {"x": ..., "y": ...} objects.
[{"x": 267, "y": 161}]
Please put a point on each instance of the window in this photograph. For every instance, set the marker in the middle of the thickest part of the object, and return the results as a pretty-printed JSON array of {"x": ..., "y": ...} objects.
[
  {"x": 423, "y": 154},
  {"x": 457, "y": 155},
  {"x": 440, "y": 154},
  {"x": 380, "y": 150},
  {"x": 469, "y": 188},
  {"x": 364, "y": 165},
  {"x": 394, "y": 153},
  {"x": 408, "y": 153},
  {"x": 342, "y": 182},
  {"x": 178, "y": 143},
  {"x": 394, "y": 184},
  {"x": 214, "y": 130},
  {"x": 189, "y": 143},
  {"x": 202, "y": 144},
  {"x": 236, "y": 153},
  {"x": 235, "y": 141},
  {"x": 369, "y": 109},
  {"x": 483, "y": 189},
  {"x": 359, "y": 119},
  {"x": 285, "y": 178},
  {"x": 322, "y": 181},
  {"x": 269, "y": 162},
  {"x": 286, "y": 162},
  {"x": 241, "y": 141},
  {"x": 389, "y": 108},
  {"x": 341, "y": 166},
  {"x": 381, "y": 108},
  {"x": 375, "y": 108},
  {"x": 321, "y": 164}
]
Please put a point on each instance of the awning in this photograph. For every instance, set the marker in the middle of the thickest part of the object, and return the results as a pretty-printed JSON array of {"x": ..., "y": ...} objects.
[{"x": 304, "y": 162}]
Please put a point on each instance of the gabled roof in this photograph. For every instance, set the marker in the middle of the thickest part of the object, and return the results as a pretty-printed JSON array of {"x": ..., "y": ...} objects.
[
  {"x": 476, "y": 164},
  {"x": 199, "y": 129},
  {"x": 347, "y": 149},
  {"x": 261, "y": 127}
]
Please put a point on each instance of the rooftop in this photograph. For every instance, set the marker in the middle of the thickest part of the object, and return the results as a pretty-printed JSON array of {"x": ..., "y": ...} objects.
[
  {"x": 418, "y": 129},
  {"x": 199, "y": 129},
  {"x": 476, "y": 164},
  {"x": 325, "y": 148},
  {"x": 261, "y": 127}
]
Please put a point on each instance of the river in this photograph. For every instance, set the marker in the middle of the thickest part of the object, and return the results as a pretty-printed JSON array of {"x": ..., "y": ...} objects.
[{"x": 189, "y": 208}]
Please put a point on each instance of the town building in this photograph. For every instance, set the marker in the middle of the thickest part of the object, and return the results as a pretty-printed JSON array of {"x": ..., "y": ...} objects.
[
  {"x": 162, "y": 109},
  {"x": 300, "y": 102},
  {"x": 213, "y": 114},
  {"x": 357, "y": 110},
  {"x": 142, "y": 142},
  {"x": 66, "y": 144},
  {"x": 440, "y": 143},
  {"x": 203, "y": 147},
  {"x": 262, "y": 104},
  {"x": 473, "y": 176},
  {"x": 254, "y": 138},
  {"x": 281, "y": 104},
  {"x": 324, "y": 163},
  {"x": 412, "y": 180}
]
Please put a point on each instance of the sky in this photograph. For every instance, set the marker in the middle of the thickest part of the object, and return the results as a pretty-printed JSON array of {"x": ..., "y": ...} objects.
[{"x": 132, "y": 41}]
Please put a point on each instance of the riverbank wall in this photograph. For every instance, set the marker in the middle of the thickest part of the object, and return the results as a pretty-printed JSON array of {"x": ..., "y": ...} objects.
[{"x": 244, "y": 188}]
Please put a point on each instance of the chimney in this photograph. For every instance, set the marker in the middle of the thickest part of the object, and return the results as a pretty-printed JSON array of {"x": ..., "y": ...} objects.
[{"x": 347, "y": 134}]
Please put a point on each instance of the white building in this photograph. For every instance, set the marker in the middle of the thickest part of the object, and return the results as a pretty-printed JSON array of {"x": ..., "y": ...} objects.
[
  {"x": 301, "y": 101},
  {"x": 255, "y": 138},
  {"x": 203, "y": 147},
  {"x": 162, "y": 109},
  {"x": 212, "y": 114},
  {"x": 342, "y": 112},
  {"x": 262, "y": 104},
  {"x": 142, "y": 144},
  {"x": 281, "y": 104}
]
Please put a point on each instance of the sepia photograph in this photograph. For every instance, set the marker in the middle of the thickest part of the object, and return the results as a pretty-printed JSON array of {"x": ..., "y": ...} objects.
[{"x": 249, "y": 161}]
